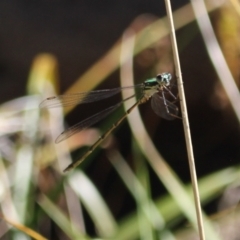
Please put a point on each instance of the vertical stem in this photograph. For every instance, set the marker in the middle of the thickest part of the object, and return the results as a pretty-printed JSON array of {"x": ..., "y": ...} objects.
[{"x": 185, "y": 122}]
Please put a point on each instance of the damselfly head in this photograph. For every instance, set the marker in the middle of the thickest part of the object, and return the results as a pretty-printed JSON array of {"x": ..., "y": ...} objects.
[{"x": 164, "y": 78}]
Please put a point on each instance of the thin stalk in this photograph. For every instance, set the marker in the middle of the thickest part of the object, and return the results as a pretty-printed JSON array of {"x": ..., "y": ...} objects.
[{"x": 185, "y": 122}]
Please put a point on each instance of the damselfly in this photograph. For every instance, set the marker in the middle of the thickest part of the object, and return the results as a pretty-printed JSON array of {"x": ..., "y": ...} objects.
[{"x": 155, "y": 88}]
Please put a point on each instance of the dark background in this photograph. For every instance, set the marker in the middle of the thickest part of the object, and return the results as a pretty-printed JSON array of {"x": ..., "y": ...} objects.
[{"x": 78, "y": 33}]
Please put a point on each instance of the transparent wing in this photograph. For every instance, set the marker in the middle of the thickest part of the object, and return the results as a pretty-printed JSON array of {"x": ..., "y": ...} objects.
[
  {"x": 83, "y": 97},
  {"x": 168, "y": 111},
  {"x": 88, "y": 122}
]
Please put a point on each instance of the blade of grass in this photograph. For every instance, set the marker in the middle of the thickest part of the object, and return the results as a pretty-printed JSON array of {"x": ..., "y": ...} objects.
[
  {"x": 43, "y": 79},
  {"x": 24, "y": 229},
  {"x": 140, "y": 195},
  {"x": 236, "y": 5},
  {"x": 23, "y": 168},
  {"x": 60, "y": 219},
  {"x": 43, "y": 75},
  {"x": 144, "y": 201},
  {"x": 93, "y": 202},
  {"x": 6, "y": 200},
  {"x": 210, "y": 187},
  {"x": 216, "y": 55},
  {"x": 159, "y": 165},
  {"x": 126, "y": 70}
]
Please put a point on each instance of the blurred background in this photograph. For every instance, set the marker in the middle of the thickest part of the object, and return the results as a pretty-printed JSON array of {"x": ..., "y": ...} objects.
[{"x": 136, "y": 185}]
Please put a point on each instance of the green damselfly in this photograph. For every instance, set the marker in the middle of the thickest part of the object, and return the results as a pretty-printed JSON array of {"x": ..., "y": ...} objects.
[{"x": 156, "y": 88}]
